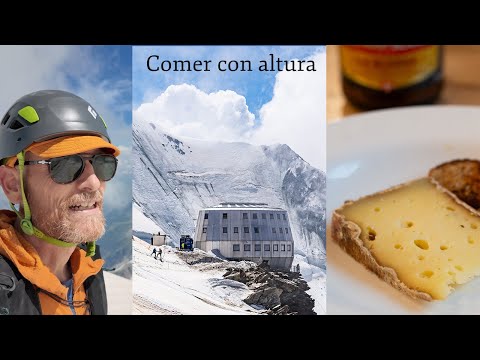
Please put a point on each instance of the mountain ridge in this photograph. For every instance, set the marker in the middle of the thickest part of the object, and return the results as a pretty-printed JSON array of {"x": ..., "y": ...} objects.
[{"x": 175, "y": 177}]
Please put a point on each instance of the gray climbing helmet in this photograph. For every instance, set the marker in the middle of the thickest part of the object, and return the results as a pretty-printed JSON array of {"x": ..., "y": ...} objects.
[
  {"x": 41, "y": 116},
  {"x": 47, "y": 114}
]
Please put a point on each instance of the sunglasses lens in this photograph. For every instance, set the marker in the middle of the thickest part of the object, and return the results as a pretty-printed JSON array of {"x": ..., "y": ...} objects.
[
  {"x": 66, "y": 169},
  {"x": 105, "y": 166}
]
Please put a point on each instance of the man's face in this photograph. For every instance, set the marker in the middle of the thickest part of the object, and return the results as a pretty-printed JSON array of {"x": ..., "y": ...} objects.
[{"x": 71, "y": 212}]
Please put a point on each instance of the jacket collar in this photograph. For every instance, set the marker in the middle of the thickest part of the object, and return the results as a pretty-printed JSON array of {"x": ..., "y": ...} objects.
[{"x": 16, "y": 248}]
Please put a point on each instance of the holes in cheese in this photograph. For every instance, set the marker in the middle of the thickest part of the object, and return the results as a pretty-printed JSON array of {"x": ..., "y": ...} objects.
[
  {"x": 427, "y": 274},
  {"x": 407, "y": 224},
  {"x": 424, "y": 234},
  {"x": 422, "y": 244}
]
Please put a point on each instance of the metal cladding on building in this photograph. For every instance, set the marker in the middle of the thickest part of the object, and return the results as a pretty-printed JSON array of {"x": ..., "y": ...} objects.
[{"x": 246, "y": 231}]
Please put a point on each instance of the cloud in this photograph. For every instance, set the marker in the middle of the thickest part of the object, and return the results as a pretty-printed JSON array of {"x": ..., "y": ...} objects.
[
  {"x": 118, "y": 193},
  {"x": 296, "y": 114},
  {"x": 184, "y": 110},
  {"x": 25, "y": 69},
  {"x": 256, "y": 87}
]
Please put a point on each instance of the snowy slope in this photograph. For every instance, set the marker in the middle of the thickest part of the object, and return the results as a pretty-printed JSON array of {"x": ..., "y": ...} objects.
[
  {"x": 316, "y": 279},
  {"x": 173, "y": 287},
  {"x": 119, "y": 294},
  {"x": 175, "y": 178},
  {"x": 143, "y": 223}
]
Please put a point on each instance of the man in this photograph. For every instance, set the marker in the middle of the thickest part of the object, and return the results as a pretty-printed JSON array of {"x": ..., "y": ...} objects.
[
  {"x": 154, "y": 253},
  {"x": 56, "y": 157}
]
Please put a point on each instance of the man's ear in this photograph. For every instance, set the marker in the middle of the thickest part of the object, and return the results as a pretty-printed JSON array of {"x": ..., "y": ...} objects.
[{"x": 10, "y": 183}]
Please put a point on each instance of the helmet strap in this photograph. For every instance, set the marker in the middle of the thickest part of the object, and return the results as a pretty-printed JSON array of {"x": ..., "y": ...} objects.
[{"x": 26, "y": 222}]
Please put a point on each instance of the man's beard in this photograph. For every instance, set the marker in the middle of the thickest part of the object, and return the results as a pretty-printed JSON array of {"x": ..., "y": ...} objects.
[{"x": 61, "y": 223}]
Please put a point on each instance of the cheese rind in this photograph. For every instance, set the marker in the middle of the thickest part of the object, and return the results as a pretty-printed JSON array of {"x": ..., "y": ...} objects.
[{"x": 418, "y": 237}]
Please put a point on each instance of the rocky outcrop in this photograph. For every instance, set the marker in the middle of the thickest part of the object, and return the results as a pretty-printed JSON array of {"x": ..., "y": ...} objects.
[
  {"x": 280, "y": 293},
  {"x": 197, "y": 257}
]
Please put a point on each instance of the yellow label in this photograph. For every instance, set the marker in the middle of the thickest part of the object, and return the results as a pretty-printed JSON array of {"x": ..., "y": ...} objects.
[{"x": 389, "y": 67}]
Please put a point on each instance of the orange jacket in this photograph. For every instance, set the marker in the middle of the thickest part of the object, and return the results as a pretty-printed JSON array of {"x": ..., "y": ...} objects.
[{"x": 18, "y": 250}]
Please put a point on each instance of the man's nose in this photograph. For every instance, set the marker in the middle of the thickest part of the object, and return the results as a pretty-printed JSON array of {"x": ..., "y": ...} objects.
[{"x": 88, "y": 181}]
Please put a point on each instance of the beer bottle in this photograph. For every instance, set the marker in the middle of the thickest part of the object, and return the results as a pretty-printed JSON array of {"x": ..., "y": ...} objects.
[{"x": 381, "y": 76}]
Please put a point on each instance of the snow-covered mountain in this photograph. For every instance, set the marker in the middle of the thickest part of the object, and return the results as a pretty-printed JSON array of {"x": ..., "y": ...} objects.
[
  {"x": 115, "y": 245},
  {"x": 174, "y": 178}
]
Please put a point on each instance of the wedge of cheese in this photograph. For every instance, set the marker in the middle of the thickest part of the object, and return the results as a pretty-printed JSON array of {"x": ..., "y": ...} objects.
[{"x": 418, "y": 237}]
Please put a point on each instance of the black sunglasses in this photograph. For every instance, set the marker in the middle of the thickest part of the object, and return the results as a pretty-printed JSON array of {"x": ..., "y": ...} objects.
[{"x": 66, "y": 169}]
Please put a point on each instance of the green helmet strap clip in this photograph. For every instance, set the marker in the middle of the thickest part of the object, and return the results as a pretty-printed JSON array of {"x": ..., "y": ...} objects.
[
  {"x": 91, "y": 248},
  {"x": 26, "y": 222}
]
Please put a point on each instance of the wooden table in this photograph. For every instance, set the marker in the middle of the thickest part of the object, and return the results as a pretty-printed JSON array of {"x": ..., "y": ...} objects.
[{"x": 461, "y": 80}]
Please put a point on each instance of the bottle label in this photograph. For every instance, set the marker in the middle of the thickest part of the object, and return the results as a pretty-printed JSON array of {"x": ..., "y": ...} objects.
[{"x": 389, "y": 67}]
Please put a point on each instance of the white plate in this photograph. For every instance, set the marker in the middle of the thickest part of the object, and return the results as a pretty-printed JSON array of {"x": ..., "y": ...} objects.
[{"x": 370, "y": 152}]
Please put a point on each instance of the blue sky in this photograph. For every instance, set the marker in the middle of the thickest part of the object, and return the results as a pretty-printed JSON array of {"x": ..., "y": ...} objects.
[
  {"x": 255, "y": 86},
  {"x": 258, "y": 107}
]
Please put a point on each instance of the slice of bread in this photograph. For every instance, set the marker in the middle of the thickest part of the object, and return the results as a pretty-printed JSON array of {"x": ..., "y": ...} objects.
[
  {"x": 418, "y": 237},
  {"x": 462, "y": 177}
]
